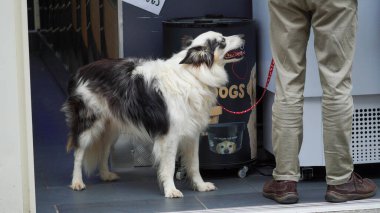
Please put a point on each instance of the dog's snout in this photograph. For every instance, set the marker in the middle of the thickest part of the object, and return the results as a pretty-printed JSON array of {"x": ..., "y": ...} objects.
[{"x": 226, "y": 151}]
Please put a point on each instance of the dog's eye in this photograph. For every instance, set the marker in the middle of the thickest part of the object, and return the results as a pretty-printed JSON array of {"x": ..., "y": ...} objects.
[
  {"x": 230, "y": 146},
  {"x": 222, "y": 147}
]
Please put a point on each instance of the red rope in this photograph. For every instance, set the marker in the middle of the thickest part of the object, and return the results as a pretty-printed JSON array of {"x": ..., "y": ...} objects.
[{"x": 260, "y": 99}]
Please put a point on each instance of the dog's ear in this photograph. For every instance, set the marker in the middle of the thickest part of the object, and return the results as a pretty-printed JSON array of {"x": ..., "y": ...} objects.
[
  {"x": 199, "y": 55},
  {"x": 186, "y": 41}
]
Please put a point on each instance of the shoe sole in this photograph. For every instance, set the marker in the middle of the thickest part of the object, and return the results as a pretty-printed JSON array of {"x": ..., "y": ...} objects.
[
  {"x": 285, "y": 199},
  {"x": 335, "y": 197}
]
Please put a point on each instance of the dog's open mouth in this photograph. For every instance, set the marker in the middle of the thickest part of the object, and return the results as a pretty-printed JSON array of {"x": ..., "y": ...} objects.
[{"x": 235, "y": 54}]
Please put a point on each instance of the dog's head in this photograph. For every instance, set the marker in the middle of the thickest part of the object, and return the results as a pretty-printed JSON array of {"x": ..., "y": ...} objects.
[
  {"x": 213, "y": 48},
  {"x": 226, "y": 147}
]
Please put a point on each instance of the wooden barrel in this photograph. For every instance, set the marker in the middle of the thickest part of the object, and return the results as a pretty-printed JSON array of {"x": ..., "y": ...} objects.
[{"x": 111, "y": 29}]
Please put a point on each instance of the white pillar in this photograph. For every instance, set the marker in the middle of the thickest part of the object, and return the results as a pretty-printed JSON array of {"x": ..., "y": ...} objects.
[{"x": 17, "y": 193}]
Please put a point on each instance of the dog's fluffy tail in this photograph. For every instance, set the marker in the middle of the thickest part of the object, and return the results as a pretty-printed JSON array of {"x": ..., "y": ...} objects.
[{"x": 70, "y": 144}]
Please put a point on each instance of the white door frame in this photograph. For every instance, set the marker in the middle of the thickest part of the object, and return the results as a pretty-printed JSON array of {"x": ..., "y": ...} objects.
[{"x": 17, "y": 189}]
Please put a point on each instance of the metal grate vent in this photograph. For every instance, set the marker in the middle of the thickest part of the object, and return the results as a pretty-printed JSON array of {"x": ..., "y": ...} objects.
[{"x": 366, "y": 135}]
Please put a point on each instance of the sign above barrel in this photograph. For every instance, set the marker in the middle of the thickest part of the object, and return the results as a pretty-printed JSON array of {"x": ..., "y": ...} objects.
[{"x": 153, "y": 6}]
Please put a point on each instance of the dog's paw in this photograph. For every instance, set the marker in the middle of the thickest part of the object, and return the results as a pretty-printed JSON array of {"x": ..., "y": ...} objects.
[
  {"x": 173, "y": 193},
  {"x": 205, "y": 187},
  {"x": 77, "y": 186},
  {"x": 109, "y": 176}
]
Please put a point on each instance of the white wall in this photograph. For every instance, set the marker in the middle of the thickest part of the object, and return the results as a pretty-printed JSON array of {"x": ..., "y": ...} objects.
[{"x": 16, "y": 157}]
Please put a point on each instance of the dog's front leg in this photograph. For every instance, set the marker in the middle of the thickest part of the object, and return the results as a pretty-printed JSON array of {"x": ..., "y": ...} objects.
[
  {"x": 190, "y": 159},
  {"x": 168, "y": 152}
]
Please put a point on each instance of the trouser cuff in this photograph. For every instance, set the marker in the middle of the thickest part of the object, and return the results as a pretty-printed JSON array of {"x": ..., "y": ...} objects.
[
  {"x": 338, "y": 180},
  {"x": 287, "y": 177}
]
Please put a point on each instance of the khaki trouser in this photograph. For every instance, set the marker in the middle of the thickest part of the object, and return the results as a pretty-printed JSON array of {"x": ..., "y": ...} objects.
[{"x": 334, "y": 26}]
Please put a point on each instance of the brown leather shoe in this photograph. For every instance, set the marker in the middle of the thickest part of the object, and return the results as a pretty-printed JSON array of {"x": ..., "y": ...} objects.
[
  {"x": 356, "y": 188},
  {"x": 284, "y": 192}
]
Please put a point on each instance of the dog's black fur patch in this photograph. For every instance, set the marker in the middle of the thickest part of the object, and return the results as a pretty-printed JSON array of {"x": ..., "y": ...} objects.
[
  {"x": 129, "y": 97},
  {"x": 199, "y": 55},
  {"x": 213, "y": 44}
]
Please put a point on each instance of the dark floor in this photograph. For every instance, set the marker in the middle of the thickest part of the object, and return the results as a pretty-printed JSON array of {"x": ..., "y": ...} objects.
[{"x": 137, "y": 190}]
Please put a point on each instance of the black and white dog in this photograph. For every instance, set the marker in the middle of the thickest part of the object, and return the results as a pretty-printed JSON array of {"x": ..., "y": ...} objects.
[{"x": 163, "y": 101}]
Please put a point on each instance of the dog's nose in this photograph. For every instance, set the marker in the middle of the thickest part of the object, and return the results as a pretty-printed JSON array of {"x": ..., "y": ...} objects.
[{"x": 226, "y": 151}]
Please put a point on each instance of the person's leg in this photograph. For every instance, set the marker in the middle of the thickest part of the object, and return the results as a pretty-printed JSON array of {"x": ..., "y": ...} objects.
[
  {"x": 289, "y": 34},
  {"x": 334, "y": 24}
]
